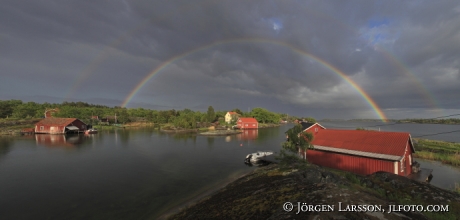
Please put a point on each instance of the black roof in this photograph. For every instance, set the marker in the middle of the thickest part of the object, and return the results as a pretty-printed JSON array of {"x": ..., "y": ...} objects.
[{"x": 306, "y": 125}]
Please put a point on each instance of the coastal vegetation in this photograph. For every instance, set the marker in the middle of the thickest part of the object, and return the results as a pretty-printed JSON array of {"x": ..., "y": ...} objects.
[
  {"x": 446, "y": 152},
  {"x": 296, "y": 140},
  {"x": 16, "y": 114}
]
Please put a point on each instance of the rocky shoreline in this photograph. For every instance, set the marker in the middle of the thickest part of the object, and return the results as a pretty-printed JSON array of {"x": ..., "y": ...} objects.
[{"x": 262, "y": 194}]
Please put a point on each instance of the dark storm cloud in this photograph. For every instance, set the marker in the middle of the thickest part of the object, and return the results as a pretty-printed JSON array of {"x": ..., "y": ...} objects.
[{"x": 397, "y": 52}]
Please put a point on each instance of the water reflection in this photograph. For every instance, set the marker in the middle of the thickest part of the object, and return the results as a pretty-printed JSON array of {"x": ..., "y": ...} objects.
[
  {"x": 184, "y": 137},
  {"x": 5, "y": 145},
  {"x": 210, "y": 142},
  {"x": 251, "y": 134},
  {"x": 54, "y": 140}
]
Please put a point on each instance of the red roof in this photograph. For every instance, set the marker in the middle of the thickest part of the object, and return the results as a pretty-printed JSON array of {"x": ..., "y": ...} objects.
[
  {"x": 232, "y": 113},
  {"x": 247, "y": 120},
  {"x": 389, "y": 143},
  {"x": 56, "y": 121}
]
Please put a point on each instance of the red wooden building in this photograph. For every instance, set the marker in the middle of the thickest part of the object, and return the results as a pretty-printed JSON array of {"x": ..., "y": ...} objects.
[
  {"x": 311, "y": 127},
  {"x": 247, "y": 123},
  {"x": 60, "y": 126},
  {"x": 362, "y": 152}
]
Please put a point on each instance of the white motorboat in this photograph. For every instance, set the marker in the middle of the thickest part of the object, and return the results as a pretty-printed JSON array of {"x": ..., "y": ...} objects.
[
  {"x": 91, "y": 131},
  {"x": 256, "y": 157}
]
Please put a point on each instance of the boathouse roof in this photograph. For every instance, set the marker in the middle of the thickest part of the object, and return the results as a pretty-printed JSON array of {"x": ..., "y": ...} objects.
[{"x": 376, "y": 144}]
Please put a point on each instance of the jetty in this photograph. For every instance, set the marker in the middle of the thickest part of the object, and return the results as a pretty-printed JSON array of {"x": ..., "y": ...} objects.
[{"x": 423, "y": 175}]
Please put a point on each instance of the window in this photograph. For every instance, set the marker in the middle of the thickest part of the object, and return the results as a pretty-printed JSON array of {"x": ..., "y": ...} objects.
[
  {"x": 42, "y": 128},
  {"x": 316, "y": 129}
]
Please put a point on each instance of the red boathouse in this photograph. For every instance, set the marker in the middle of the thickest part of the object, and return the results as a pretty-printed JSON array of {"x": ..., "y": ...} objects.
[
  {"x": 247, "y": 123},
  {"x": 311, "y": 127},
  {"x": 362, "y": 152},
  {"x": 60, "y": 126}
]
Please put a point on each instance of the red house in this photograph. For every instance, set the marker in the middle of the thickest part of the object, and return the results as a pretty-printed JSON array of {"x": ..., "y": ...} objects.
[
  {"x": 247, "y": 123},
  {"x": 311, "y": 127},
  {"x": 60, "y": 126},
  {"x": 362, "y": 152}
]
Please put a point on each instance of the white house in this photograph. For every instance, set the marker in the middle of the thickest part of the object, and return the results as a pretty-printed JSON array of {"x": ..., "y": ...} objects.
[{"x": 231, "y": 116}]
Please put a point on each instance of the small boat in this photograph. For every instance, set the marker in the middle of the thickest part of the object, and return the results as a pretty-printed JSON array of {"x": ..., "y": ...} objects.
[
  {"x": 255, "y": 158},
  {"x": 91, "y": 131}
]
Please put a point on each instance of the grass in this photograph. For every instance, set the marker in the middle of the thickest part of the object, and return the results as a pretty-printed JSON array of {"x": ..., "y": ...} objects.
[
  {"x": 14, "y": 126},
  {"x": 446, "y": 152}
]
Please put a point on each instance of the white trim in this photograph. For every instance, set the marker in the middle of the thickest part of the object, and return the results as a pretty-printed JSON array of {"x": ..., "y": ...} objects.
[
  {"x": 411, "y": 143},
  {"x": 359, "y": 153},
  {"x": 403, "y": 164},
  {"x": 410, "y": 159},
  {"x": 313, "y": 125},
  {"x": 396, "y": 167}
]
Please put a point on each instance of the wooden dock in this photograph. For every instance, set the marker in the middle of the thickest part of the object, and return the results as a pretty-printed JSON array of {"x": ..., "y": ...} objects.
[{"x": 424, "y": 175}]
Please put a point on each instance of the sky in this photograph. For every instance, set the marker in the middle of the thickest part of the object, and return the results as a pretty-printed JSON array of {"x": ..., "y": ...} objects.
[{"x": 321, "y": 59}]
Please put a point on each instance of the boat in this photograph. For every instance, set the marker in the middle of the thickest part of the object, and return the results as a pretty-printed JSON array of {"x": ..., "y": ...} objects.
[
  {"x": 91, "y": 131},
  {"x": 255, "y": 158}
]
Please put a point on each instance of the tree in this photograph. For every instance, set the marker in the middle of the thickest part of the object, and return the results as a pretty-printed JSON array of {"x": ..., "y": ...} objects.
[
  {"x": 261, "y": 114},
  {"x": 296, "y": 141},
  {"x": 7, "y": 107},
  {"x": 122, "y": 115},
  {"x": 211, "y": 114},
  {"x": 238, "y": 111},
  {"x": 310, "y": 119}
]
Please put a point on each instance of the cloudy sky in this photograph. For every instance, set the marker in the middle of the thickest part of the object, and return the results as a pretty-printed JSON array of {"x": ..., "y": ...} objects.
[{"x": 325, "y": 59}]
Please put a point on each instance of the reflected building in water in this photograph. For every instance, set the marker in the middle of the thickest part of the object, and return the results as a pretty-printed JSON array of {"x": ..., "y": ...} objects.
[
  {"x": 50, "y": 140},
  {"x": 249, "y": 134}
]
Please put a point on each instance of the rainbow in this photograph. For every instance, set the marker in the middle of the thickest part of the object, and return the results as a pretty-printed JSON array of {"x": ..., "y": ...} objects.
[
  {"x": 108, "y": 49},
  {"x": 88, "y": 70},
  {"x": 168, "y": 62},
  {"x": 431, "y": 100}
]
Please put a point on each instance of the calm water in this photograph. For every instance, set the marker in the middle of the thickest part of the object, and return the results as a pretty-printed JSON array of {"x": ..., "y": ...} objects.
[
  {"x": 122, "y": 174},
  {"x": 133, "y": 174}
]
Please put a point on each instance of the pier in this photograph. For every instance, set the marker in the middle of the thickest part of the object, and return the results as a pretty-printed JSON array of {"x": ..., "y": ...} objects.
[{"x": 424, "y": 175}]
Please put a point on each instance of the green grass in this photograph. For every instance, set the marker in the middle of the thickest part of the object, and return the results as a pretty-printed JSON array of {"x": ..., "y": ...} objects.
[
  {"x": 446, "y": 152},
  {"x": 437, "y": 146}
]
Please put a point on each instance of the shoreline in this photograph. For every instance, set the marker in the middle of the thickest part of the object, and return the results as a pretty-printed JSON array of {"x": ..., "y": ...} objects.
[{"x": 202, "y": 195}]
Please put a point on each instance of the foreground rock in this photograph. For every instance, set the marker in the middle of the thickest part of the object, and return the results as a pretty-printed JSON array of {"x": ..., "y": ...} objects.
[{"x": 261, "y": 195}]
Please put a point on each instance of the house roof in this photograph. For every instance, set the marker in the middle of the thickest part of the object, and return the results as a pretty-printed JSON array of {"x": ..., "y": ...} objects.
[
  {"x": 247, "y": 120},
  {"x": 375, "y": 144},
  {"x": 307, "y": 125},
  {"x": 232, "y": 113},
  {"x": 56, "y": 121}
]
